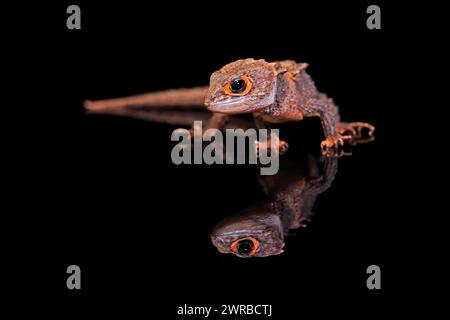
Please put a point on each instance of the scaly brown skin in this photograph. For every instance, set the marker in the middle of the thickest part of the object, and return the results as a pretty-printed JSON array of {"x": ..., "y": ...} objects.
[{"x": 278, "y": 92}]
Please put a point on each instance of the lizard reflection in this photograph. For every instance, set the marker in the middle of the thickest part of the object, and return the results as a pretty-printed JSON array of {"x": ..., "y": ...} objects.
[{"x": 259, "y": 231}]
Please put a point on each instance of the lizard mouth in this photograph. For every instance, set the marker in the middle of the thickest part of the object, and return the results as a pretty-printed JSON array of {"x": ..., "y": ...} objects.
[{"x": 230, "y": 107}]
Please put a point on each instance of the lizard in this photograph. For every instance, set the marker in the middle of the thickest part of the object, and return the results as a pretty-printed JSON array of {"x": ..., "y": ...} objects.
[
  {"x": 259, "y": 231},
  {"x": 273, "y": 92}
]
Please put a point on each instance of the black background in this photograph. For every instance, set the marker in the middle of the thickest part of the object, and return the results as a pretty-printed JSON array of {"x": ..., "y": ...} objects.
[{"x": 106, "y": 197}]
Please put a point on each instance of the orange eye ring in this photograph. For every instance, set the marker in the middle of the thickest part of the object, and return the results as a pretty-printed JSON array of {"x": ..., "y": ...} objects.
[
  {"x": 238, "y": 87},
  {"x": 245, "y": 246}
]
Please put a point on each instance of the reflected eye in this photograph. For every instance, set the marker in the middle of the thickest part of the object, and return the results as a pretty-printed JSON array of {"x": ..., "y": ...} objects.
[
  {"x": 238, "y": 87},
  {"x": 245, "y": 247}
]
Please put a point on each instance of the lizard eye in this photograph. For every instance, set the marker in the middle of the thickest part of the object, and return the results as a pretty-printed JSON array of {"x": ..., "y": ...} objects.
[
  {"x": 245, "y": 247},
  {"x": 238, "y": 87}
]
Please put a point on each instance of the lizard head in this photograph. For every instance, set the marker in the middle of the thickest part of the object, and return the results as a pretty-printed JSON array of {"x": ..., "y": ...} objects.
[
  {"x": 242, "y": 86},
  {"x": 256, "y": 232}
]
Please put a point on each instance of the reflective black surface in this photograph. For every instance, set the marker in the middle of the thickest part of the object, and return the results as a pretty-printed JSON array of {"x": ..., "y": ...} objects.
[{"x": 104, "y": 194}]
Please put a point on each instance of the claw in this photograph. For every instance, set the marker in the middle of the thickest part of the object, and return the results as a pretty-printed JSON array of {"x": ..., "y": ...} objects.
[
  {"x": 346, "y": 129},
  {"x": 356, "y": 132},
  {"x": 333, "y": 146},
  {"x": 260, "y": 146}
]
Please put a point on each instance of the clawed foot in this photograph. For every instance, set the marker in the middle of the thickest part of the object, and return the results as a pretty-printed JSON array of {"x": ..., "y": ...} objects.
[
  {"x": 359, "y": 132},
  {"x": 334, "y": 145},
  {"x": 266, "y": 147}
]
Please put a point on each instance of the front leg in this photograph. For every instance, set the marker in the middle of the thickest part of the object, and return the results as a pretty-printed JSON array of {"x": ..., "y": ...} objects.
[
  {"x": 216, "y": 121},
  {"x": 329, "y": 117},
  {"x": 261, "y": 146}
]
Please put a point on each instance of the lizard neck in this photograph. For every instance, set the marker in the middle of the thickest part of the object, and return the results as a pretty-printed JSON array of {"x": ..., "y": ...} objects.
[{"x": 291, "y": 100}]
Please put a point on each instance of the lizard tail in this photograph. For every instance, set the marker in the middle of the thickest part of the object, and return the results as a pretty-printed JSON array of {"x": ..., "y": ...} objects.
[{"x": 179, "y": 98}]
